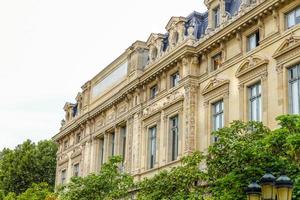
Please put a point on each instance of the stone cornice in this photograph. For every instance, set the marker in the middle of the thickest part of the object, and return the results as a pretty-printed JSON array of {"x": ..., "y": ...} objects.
[
  {"x": 186, "y": 48},
  {"x": 214, "y": 39}
]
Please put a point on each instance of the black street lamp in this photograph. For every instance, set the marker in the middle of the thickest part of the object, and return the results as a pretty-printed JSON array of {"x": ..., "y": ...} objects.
[
  {"x": 284, "y": 187},
  {"x": 253, "y": 191},
  {"x": 271, "y": 189},
  {"x": 268, "y": 187}
]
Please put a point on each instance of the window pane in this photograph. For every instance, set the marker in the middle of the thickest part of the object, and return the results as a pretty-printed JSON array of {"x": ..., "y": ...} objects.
[
  {"x": 259, "y": 114},
  {"x": 291, "y": 19},
  {"x": 253, "y": 110},
  {"x": 295, "y": 98},
  {"x": 252, "y": 42},
  {"x": 298, "y": 16}
]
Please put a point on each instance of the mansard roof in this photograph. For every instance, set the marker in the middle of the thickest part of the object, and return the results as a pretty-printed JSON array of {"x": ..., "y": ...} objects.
[
  {"x": 232, "y": 6},
  {"x": 199, "y": 21}
]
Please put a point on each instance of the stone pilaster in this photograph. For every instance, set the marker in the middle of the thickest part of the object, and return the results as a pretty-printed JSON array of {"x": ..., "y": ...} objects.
[{"x": 190, "y": 107}]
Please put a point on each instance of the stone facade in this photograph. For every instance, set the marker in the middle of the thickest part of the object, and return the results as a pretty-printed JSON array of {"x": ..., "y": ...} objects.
[{"x": 158, "y": 101}]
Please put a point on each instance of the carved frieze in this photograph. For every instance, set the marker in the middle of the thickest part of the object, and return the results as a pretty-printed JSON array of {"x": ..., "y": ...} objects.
[
  {"x": 165, "y": 102},
  {"x": 76, "y": 152},
  {"x": 63, "y": 159}
]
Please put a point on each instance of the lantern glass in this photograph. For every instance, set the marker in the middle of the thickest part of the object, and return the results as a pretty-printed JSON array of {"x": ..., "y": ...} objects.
[
  {"x": 284, "y": 193},
  {"x": 267, "y": 191},
  {"x": 254, "y": 197}
]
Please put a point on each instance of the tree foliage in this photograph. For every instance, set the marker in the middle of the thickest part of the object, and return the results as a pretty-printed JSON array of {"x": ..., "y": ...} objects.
[
  {"x": 246, "y": 151},
  {"x": 28, "y": 163},
  {"x": 110, "y": 183},
  {"x": 41, "y": 191},
  {"x": 178, "y": 183}
]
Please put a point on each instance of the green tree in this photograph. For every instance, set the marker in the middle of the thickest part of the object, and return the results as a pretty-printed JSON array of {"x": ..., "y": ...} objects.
[
  {"x": 28, "y": 163},
  {"x": 36, "y": 192},
  {"x": 110, "y": 183},
  {"x": 178, "y": 183},
  {"x": 245, "y": 151}
]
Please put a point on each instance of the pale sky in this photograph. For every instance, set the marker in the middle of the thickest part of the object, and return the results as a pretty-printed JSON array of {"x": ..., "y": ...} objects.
[{"x": 50, "y": 48}]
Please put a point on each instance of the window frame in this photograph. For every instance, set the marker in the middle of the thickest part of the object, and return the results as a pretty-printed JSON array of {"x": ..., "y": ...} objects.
[
  {"x": 290, "y": 89},
  {"x": 174, "y": 79},
  {"x": 63, "y": 176},
  {"x": 101, "y": 146},
  {"x": 286, "y": 17},
  {"x": 255, "y": 34},
  {"x": 123, "y": 139},
  {"x": 113, "y": 138},
  {"x": 174, "y": 134},
  {"x": 216, "y": 114},
  {"x": 217, "y": 16},
  {"x": 153, "y": 95},
  {"x": 213, "y": 58},
  {"x": 257, "y": 98},
  {"x": 152, "y": 142},
  {"x": 76, "y": 169}
]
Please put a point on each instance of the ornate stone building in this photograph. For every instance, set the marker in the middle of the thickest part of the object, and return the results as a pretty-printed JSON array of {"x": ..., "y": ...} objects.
[{"x": 162, "y": 98}]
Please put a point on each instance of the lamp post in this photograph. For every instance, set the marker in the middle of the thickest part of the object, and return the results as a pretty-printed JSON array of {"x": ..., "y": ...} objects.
[
  {"x": 271, "y": 189},
  {"x": 284, "y": 187},
  {"x": 253, "y": 191},
  {"x": 268, "y": 187}
]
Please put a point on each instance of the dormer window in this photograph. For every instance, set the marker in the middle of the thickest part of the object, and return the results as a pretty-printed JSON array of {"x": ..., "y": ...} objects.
[
  {"x": 216, "y": 61},
  {"x": 216, "y": 17},
  {"x": 293, "y": 18},
  {"x": 153, "y": 91},
  {"x": 253, "y": 41},
  {"x": 154, "y": 53}
]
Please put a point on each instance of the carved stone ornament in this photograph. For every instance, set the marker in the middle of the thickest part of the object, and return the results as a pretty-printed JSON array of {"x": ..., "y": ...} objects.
[
  {"x": 250, "y": 64},
  {"x": 63, "y": 159},
  {"x": 289, "y": 44},
  {"x": 76, "y": 152},
  {"x": 170, "y": 99},
  {"x": 214, "y": 84}
]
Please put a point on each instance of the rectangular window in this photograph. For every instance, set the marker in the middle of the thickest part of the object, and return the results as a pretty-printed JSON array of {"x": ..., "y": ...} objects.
[
  {"x": 216, "y": 61},
  {"x": 101, "y": 151},
  {"x": 63, "y": 176},
  {"x": 294, "y": 89},
  {"x": 174, "y": 137},
  {"x": 153, "y": 91},
  {"x": 216, "y": 15},
  {"x": 152, "y": 146},
  {"x": 112, "y": 144},
  {"x": 78, "y": 137},
  {"x": 123, "y": 139},
  {"x": 255, "y": 102},
  {"x": 76, "y": 170},
  {"x": 253, "y": 41},
  {"x": 66, "y": 144},
  {"x": 293, "y": 18},
  {"x": 218, "y": 117},
  {"x": 175, "y": 79}
]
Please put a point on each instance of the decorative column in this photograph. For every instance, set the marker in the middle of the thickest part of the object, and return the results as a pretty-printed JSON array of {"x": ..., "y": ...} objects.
[
  {"x": 190, "y": 107},
  {"x": 264, "y": 84},
  {"x": 241, "y": 101},
  {"x": 280, "y": 88}
]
